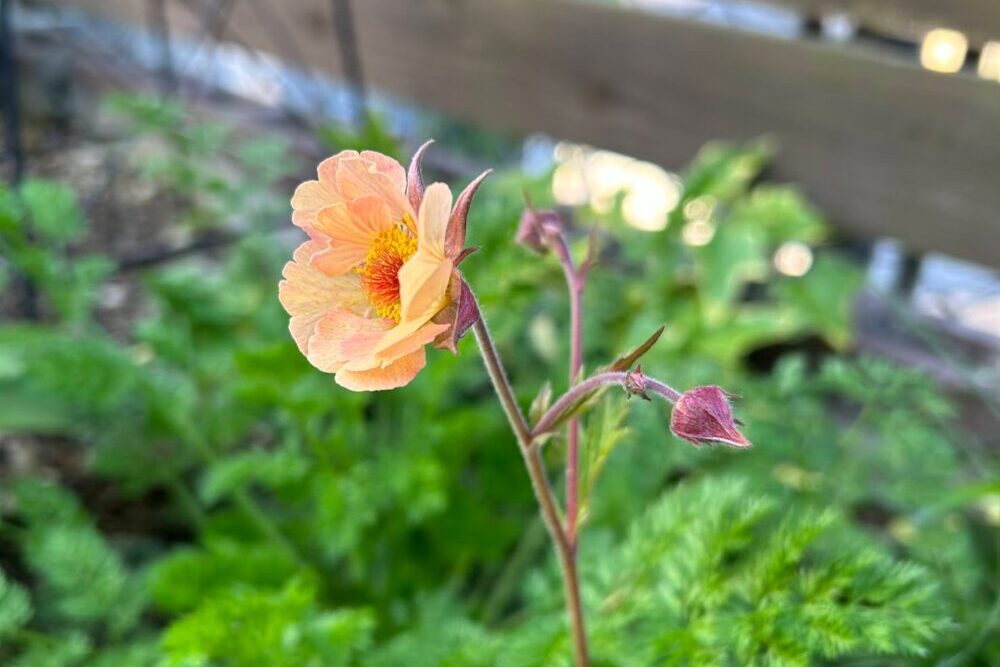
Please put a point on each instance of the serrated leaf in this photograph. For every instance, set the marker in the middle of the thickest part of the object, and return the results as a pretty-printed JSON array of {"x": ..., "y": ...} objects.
[
  {"x": 186, "y": 577},
  {"x": 270, "y": 469}
]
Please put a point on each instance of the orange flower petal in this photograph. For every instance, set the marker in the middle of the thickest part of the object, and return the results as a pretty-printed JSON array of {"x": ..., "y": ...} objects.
[
  {"x": 307, "y": 201},
  {"x": 386, "y": 165},
  {"x": 396, "y": 374},
  {"x": 432, "y": 223},
  {"x": 307, "y": 294},
  {"x": 423, "y": 283},
  {"x": 423, "y": 280},
  {"x": 327, "y": 169},
  {"x": 357, "y": 177},
  {"x": 351, "y": 229},
  {"x": 341, "y": 336},
  {"x": 393, "y": 347}
]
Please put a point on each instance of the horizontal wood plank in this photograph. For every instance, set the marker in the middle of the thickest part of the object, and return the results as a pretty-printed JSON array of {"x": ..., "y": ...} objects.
[{"x": 885, "y": 148}]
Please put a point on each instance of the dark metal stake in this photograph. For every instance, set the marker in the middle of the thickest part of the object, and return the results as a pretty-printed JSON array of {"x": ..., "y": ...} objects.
[
  {"x": 159, "y": 27},
  {"x": 9, "y": 93},
  {"x": 347, "y": 43},
  {"x": 11, "y": 102}
]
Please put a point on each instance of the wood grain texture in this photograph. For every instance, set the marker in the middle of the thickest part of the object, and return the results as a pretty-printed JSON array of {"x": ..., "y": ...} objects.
[{"x": 885, "y": 148}]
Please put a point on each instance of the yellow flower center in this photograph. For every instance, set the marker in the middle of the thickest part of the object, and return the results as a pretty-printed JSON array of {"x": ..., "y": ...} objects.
[{"x": 380, "y": 270}]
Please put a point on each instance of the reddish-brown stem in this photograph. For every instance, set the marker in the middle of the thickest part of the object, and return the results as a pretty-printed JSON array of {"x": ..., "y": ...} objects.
[
  {"x": 540, "y": 484},
  {"x": 578, "y": 392},
  {"x": 575, "y": 280}
]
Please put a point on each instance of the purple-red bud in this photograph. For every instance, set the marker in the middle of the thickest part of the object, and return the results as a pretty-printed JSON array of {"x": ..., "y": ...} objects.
[
  {"x": 535, "y": 226},
  {"x": 702, "y": 415}
]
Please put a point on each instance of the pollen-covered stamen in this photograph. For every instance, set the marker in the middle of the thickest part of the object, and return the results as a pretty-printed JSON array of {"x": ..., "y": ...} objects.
[{"x": 380, "y": 270}]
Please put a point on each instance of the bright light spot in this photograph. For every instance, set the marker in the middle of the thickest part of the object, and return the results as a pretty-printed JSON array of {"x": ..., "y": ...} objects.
[
  {"x": 699, "y": 208},
  {"x": 698, "y": 232},
  {"x": 838, "y": 27},
  {"x": 944, "y": 50},
  {"x": 652, "y": 194},
  {"x": 597, "y": 178},
  {"x": 989, "y": 61},
  {"x": 569, "y": 187},
  {"x": 990, "y": 505},
  {"x": 607, "y": 175},
  {"x": 793, "y": 259}
]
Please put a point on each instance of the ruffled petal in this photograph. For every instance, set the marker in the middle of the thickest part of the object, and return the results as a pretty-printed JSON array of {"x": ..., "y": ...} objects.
[
  {"x": 386, "y": 165},
  {"x": 307, "y": 294},
  {"x": 358, "y": 177},
  {"x": 309, "y": 198},
  {"x": 396, "y": 374},
  {"x": 351, "y": 229},
  {"x": 327, "y": 169},
  {"x": 341, "y": 336}
]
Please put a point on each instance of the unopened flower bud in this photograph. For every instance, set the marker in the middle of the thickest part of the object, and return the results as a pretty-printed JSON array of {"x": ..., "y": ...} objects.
[
  {"x": 702, "y": 415},
  {"x": 635, "y": 384},
  {"x": 535, "y": 226}
]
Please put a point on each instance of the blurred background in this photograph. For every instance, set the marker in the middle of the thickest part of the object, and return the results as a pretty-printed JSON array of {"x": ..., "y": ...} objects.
[{"x": 805, "y": 192}]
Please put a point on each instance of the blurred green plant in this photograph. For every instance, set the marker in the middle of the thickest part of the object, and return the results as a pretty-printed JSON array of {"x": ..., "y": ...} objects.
[
  {"x": 290, "y": 523},
  {"x": 219, "y": 177},
  {"x": 38, "y": 223}
]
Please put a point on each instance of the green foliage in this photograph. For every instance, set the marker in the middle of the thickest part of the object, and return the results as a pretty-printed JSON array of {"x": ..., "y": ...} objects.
[
  {"x": 38, "y": 222},
  {"x": 219, "y": 178},
  {"x": 702, "y": 290},
  {"x": 248, "y": 628},
  {"x": 15, "y": 606},
  {"x": 713, "y": 574},
  {"x": 87, "y": 602},
  {"x": 288, "y": 522},
  {"x": 374, "y": 135},
  {"x": 82, "y": 579},
  {"x": 185, "y": 577}
]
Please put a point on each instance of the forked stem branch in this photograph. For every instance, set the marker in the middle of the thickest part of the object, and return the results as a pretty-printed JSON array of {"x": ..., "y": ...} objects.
[{"x": 541, "y": 486}]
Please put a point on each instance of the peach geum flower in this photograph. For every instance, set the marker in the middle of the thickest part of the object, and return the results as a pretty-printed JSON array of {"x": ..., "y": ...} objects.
[{"x": 377, "y": 280}]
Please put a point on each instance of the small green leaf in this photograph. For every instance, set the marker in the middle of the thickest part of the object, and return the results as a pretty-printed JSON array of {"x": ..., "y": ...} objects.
[
  {"x": 626, "y": 361},
  {"x": 541, "y": 403}
]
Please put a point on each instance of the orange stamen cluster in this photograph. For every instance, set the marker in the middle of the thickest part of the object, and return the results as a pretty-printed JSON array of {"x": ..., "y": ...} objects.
[{"x": 380, "y": 270}]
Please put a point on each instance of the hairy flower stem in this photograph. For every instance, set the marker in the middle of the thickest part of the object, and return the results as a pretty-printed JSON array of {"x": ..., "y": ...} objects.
[
  {"x": 540, "y": 483},
  {"x": 579, "y": 392},
  {"x": 575, "y": 281}
]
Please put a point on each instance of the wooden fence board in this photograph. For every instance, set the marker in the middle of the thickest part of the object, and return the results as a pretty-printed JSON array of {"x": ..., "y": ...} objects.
[{"x": 885, "y": 148}]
